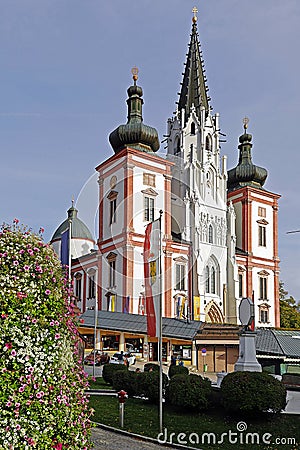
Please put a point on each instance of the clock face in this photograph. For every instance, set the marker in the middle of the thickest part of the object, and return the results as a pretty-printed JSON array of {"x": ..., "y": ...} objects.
[{"x": 113, "y": 181}]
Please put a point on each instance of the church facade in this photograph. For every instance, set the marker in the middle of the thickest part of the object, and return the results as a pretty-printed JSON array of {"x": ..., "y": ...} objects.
[{"x": 219, "y": 227}]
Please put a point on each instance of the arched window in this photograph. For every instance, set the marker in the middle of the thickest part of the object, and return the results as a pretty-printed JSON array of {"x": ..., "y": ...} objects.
[
  {"x": 213, "y": 281},
  {"x": 210, "y": 234},
  {"x": 78, "y": 286},
  {"x": 207, "y": 279},
  {"x": 208, "y": 143},
  {"x": 212, "y": 277},
  {"x": 193, "y": 128}
]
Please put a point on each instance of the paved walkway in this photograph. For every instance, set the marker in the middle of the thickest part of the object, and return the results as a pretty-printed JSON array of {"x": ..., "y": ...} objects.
[{"x": 108, "y": 440}]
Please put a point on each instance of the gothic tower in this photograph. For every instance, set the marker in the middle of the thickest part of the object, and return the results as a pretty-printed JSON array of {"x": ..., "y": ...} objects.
[{"x": 199, "y": 177}]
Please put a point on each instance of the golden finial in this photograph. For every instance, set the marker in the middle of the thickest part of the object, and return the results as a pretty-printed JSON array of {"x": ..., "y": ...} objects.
[
  {"x": 245, "y": 122},
  {"x": 194, "y": 10},
  {"x": 135, "y": 72}
]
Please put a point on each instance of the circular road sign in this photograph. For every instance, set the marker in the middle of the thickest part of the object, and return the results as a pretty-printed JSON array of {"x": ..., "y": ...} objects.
[{"x": 246, "y": 311}]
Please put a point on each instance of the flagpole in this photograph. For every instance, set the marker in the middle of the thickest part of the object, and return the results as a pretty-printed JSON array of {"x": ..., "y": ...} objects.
[
  {"x": 70, "y": 258},
  {"x": 160, "y": 329}
]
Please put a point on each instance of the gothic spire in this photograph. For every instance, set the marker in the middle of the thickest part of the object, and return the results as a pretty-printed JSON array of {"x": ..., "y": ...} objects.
[{"x": 194, "y": 89}]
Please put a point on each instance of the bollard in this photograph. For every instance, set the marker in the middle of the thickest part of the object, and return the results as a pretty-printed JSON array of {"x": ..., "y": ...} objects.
[{"x": 122, "y": 396}]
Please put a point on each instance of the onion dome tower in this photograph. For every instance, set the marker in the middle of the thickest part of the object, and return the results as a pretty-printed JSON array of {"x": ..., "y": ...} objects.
[
  {"x": 82, "y": 241},
  {"x": 135, "y": 133},
  {"x": 246, "y": 173}
]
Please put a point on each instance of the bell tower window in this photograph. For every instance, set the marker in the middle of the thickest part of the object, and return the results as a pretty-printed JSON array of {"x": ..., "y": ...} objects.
[
  {"x": 208, "y": 143},
  {"x": 193, "y": 128}
]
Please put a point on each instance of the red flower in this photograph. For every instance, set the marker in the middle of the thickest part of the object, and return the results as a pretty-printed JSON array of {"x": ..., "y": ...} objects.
[
  {"x": 81, "y": 320},
  {"x": 16, "y": 221},
  {"x": 20, "y": 295}
]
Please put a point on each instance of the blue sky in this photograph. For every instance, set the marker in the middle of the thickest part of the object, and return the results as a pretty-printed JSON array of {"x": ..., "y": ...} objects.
[{"x": 65, "y": 68}]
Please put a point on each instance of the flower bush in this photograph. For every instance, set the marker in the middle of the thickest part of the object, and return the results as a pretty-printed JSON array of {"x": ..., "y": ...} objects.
[{"x": 42, "y": 382}]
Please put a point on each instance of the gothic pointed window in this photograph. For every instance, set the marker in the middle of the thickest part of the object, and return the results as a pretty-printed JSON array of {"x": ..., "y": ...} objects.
[
  {"x": 213, "y": 281},
  {"x": 208, "y": 143},
  {"x": 212, "y": 277},
  {"x": 193, "y": 128},
  {"x": 210, "y": 234},
  {"x": 207, "y": 279}
]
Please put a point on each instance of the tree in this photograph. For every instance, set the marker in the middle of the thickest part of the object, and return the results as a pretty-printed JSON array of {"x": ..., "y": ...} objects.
[
  {"x": 42, "y": 382},
  {"x": 289, "y": 309}
]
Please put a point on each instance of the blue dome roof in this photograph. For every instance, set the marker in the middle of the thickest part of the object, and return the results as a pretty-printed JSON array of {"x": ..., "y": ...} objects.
[{"x": 79, "y": 228}]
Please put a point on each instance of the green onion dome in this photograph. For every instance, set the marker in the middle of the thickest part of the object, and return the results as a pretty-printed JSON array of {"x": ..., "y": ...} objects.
[
  {"x": 246, "y": 173},
  {"x": 135, "y": 133}
]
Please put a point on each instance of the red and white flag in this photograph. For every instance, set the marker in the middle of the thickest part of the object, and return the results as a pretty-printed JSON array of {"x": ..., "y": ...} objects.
[{"x": 152, "y": 247}]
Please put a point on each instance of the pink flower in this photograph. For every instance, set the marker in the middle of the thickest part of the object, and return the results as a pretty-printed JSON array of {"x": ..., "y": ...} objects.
[
  {"x": 13, "y": 353},
  {"x": 47, "y": 291},
  {"x": 20, "y": 295},
  {"x": 57, "y": 336},
  {"x": 8, "y": 345},
  {"x": 26, "y": 268},
  {"x": 16, "y": 263},
  {"x": 22, "y": 388},
  {"x": 9, "y": 403},
  {"x": 30, "y": 251},
  {"x": 58, "y": 446},
  {"x": 21, "y": 252}
]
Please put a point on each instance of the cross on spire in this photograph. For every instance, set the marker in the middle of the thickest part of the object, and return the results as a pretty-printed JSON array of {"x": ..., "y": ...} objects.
[{"x": 195, "y": 10}]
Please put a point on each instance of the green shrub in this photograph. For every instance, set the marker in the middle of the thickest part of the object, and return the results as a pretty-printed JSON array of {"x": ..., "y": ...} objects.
[
  {"x": 153, "y": 366},
  {"x": 125, "y": 380},
  {"x": 110, "y": 369},
  {"x": 147, "y": 385},
  {"x": 177, "y": 370},
  {"x": 252, "y": 392},
  {"x": 189, "y": 392}
]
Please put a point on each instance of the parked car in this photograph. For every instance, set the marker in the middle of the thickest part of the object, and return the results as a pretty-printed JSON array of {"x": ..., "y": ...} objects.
[
  {"x": 122, "y": 358},
  {"x": 100, "y": 358}
]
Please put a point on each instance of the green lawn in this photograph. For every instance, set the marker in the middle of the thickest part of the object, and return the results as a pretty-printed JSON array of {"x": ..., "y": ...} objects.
[
  {"x": 99, "y": 384},
  {"x": 142, "y": 418}
]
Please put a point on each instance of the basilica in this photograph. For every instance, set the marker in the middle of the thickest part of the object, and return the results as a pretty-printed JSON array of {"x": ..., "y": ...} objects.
[{"x": 219, "y": 226}]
